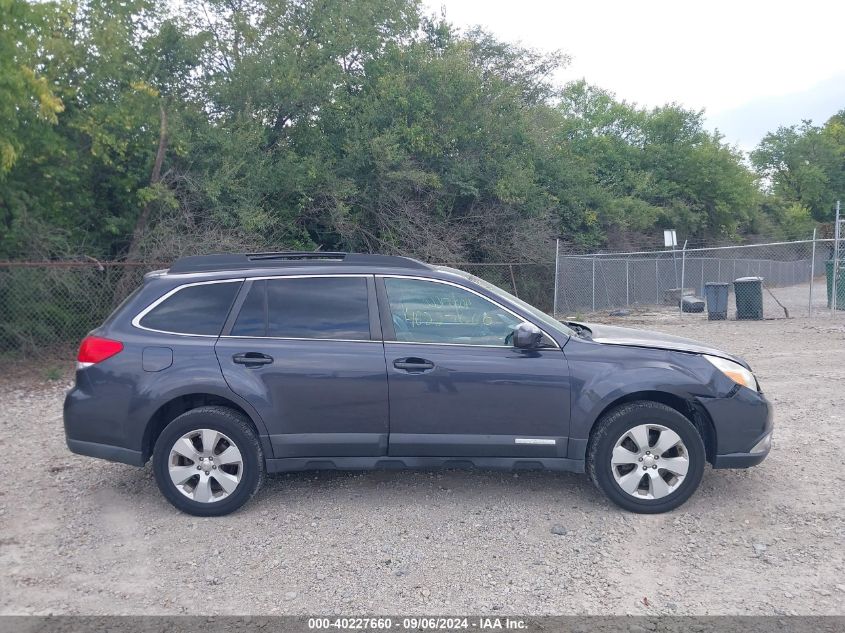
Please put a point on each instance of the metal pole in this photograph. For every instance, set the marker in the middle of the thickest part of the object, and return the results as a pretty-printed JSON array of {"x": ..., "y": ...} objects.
[
  {"x": 683, "y": 272},
  {"x": 594, "y": 283},
  {"x": 812, "y": 273},
  {"x": 557, "y": 275},
  {"x": 657, "y": 279},
  {"x": 835, "y": 266},
  {"x": 675, "y": 262},
  {"x": 627, "y": 280}
]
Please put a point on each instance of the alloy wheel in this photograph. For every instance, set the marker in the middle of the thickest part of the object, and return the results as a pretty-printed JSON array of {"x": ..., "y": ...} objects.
[
  {"x": 649, "y": 461},
  {"x": 205, "y": 465}
]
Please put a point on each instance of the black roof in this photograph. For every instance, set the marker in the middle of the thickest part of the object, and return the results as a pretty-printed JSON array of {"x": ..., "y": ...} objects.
[{"x": 210, "y": 263}]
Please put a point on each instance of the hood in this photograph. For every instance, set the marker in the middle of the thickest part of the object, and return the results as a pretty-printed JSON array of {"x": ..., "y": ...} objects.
[{"x": 613, "y": 335}]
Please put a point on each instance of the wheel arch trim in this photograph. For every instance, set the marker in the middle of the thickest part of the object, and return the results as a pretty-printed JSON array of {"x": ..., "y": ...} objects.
[
  {"x": 179, "y": 401},
  {"x": 685, "y": 404}
]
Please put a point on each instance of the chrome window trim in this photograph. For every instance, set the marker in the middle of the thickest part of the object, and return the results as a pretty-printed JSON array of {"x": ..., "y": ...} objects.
[
  {"x": 451, "y": 344},
  {"x": 136, "y": 322},
  {"x": 296, "y": 338},
  {"x": 316, "y": 275},
  {"x": 475, "y": 292}
]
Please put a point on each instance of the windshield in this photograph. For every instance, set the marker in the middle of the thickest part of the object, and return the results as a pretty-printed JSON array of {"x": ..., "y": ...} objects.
[{"x": 540, "y": 316}]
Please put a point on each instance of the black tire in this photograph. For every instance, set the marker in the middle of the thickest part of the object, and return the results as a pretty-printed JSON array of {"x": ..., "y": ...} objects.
[
  {"x": 624, "y": 418},
  {"x": 228, "y": 422}
]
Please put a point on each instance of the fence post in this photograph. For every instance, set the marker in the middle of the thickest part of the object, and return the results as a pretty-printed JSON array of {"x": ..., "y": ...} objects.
[
  {"x": 557, "y": 275},
  {"x": 594, "y": 283},
  {"x": 657, "y": 279},
  {"x": 835, "y": 266},
  {"x": 683, "y": 272},
  {"x": 812, "y": 274},
  {"x": 627, "y": 283}
]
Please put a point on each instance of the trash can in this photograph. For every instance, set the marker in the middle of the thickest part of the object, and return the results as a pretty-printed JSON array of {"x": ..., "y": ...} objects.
[
  {"x": 716, "y": 295},
  {"x": 840, "y": 284},
  {"x": 749, "y": 297}
]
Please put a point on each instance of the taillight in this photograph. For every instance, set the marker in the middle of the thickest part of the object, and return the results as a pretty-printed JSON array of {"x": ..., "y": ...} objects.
[{"x": 95, "y": 349}]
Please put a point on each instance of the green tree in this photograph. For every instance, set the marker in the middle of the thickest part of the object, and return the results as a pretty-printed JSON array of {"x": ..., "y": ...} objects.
[
  {"x": 658, "y": 168},
  {"x": 132, "y": 128},
  {"x": 803, "y": 166},
  {"x": 436, "y": 155},
  {"x": 26, "y": 97}
]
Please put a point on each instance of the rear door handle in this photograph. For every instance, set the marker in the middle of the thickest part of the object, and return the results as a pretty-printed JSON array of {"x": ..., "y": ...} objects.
[
  {"x": 252, "y": 359},
  {"x": 413, "y": 365}
]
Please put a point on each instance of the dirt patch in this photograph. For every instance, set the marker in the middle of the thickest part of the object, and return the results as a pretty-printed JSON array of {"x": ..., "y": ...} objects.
[{"x": 86, "y": 536}]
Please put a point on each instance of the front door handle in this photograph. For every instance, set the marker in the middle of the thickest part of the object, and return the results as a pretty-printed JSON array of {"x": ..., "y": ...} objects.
[
  {"x": 413, "y": 365},
  {"x": 252, "y": 359}
]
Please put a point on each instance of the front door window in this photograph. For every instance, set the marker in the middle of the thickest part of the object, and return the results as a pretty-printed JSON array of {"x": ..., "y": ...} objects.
[{"x": 431, "y": 312}]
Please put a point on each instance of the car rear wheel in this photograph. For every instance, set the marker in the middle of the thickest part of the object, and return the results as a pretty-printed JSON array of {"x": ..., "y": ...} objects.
[
  {"x": 646, "y": 457},
  {"x": 208, "y": 461}
]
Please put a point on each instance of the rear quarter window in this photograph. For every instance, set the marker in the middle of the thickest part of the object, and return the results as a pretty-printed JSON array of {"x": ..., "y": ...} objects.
[{"x": 200, "y": 309}]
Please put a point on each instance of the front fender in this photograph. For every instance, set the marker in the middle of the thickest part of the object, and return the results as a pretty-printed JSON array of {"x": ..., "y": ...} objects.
[{"x": 605, "y": 374}]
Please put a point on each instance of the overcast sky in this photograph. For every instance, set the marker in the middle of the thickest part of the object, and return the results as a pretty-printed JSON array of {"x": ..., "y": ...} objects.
[{"x": 751, "y": 65}]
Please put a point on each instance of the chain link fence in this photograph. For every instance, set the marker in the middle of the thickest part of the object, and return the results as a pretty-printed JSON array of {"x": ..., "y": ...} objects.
[
  {"x": 530, "y": 282},
  {"x": 775, "y": 280},
  {"x": 46, "y": 308}
]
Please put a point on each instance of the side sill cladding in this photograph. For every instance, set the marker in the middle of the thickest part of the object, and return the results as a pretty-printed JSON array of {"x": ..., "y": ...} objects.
[{"x": 559, "y": 464}]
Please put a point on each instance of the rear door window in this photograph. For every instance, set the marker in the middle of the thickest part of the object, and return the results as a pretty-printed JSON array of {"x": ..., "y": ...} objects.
[
  {"x": 306, "y": 308},
  {"x": 252, "y": 319},
  {"x": 199, "y": 309}
]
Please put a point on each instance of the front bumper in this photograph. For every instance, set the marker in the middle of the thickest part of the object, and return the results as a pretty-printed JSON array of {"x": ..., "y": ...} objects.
[
  {"x": 757, "y": 454},
  {"x": 743, "y": 424}
]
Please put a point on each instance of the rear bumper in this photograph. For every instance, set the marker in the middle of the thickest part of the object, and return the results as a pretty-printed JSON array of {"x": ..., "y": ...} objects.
[
  {"x": 743, "y": 425},
  {"x": 106, "y": 451},
  {"x": 91, "y": 429}
]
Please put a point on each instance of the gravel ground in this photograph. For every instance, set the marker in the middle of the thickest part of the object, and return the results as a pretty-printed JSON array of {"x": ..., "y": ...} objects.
[{"x": 79, "y": 535}]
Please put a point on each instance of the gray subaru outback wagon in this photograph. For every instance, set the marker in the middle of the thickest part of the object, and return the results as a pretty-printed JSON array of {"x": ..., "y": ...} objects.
[{"x": 226, "y": 367}]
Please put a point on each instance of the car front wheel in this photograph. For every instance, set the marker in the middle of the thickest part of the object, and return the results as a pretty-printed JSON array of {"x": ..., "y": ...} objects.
[{"x": 646, "y": 457}]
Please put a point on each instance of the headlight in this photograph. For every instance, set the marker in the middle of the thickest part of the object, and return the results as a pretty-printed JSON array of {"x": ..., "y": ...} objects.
[{"x": 734, "y": 371}]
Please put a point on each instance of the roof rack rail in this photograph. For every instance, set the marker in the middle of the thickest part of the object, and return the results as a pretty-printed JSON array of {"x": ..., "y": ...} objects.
[
  {"x": 219, "y": 262},
  {"x": 287, "y": 255}
]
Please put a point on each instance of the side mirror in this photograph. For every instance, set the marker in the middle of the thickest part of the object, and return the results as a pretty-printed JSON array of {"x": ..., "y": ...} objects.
[{"x": 527, "y": 336}]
